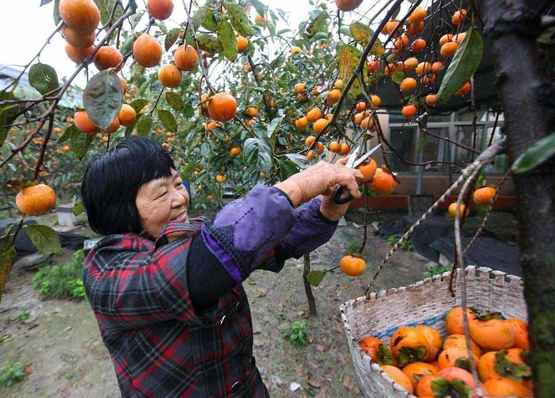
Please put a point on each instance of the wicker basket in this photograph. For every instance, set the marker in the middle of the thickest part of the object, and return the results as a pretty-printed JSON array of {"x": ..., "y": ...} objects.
[{"x": 425, "y": 302}]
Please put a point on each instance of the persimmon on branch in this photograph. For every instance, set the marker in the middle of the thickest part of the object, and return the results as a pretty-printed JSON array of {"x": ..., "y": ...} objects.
[
  {"x": 360, "y": 66},
  {"x": 56, "y": 99}
]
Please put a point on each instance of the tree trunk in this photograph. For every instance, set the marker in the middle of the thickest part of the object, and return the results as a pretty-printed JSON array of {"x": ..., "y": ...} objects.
[
  {"x": 307, "y": 288},
  {"x": 525, "y": 91}
]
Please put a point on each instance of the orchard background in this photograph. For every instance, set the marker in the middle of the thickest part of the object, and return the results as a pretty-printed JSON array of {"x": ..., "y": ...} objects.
[{"x": 240, "y": 95}]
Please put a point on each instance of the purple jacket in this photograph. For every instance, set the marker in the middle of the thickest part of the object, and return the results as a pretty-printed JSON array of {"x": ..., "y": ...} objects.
[{"x": 247, "y": 231}]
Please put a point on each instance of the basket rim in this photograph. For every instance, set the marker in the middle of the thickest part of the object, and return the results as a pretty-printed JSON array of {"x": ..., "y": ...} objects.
[{"x": 433, "y": 279}]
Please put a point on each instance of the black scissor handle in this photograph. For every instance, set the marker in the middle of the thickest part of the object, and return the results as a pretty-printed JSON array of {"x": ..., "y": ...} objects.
[{"x": 342, "y": 196}]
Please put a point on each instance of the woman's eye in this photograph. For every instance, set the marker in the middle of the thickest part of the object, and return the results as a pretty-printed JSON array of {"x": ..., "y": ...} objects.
[{"x": 162, "y": 194}]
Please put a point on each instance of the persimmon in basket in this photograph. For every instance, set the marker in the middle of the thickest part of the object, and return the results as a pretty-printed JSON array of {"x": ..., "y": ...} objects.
[
  {"x": 376, "y": 349},
  {"x": 413, "y": 344},
  {"x": 449, "y": 382},
  {"x": 492, "y": 332},
  {"x": 504, "y": 364}
]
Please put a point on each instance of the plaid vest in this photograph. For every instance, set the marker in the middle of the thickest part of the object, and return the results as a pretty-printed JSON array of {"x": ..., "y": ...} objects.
[{"x": 159, "y": 345}]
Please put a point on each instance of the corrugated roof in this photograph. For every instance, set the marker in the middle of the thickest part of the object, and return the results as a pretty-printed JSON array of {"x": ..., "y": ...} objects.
[{"x": 8, "y": 73}]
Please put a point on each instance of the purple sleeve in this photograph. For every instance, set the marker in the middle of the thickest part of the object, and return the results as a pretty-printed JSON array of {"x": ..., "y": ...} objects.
[
  {"x": 246, "y": 230},
  {"x": 311, "y": 230}
]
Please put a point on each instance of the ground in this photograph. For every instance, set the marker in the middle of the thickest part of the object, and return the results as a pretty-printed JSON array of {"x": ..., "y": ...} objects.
[{"x": 61, "y": 344}]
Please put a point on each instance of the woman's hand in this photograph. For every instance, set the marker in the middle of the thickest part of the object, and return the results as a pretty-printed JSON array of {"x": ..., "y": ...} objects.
[
  {"x": 320, "y": 179},
  {"x": 330, "y": 209}
]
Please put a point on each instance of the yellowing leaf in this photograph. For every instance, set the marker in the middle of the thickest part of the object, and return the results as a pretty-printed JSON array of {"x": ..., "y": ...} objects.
[{"x": 347, "y": 59}]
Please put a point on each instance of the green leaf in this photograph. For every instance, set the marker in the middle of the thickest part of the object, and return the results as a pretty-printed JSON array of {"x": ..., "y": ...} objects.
[
  {"x": 43, "y": 77},
  {"x": 318, "y": 24},
  {"x": 167, "y": 119},
  {"x": 209, "y": 43},
  {"x": 239, "y": 20},
  {"x": 347, "y": 60},
  {"x": 259, "y": 146},
  {"x": 398, "y": 77},
  {"x": 172, "y": 37},
  {"x": 260, "y": 7},
  {"x": 273, "y": 125},
  {"x": 69, "y": 134},
  {"x": 189, "y": 111},
  {"x": 81, "y": 144},
  {"x": 106, "y": 7},
  {"x": 78, "y": 208},
  {"x": 175, "y": 100},
  {"x": 205, "y": 17},
  {"x": 44, "y": 238},
  {"x": 56, "y": 12},
  {"x": 315, "y": 277},
  {"x": 287, "y": 168},
  {"x": 360, "y": 32},
  {"x": 7, "y": 116},
  {"x": 103, "y": 97},
  {"x": 300, "y": 161},
  {"x": 138, "y": 104},
  {"x": 226, "y": 36},
  {"x": 78, "y": 141},
  {"x": 127, "y": 45},
  {"x": 537, "y": 154},
  {"x": 144, "y": 125},
  {"x": 464, "y": 64}
]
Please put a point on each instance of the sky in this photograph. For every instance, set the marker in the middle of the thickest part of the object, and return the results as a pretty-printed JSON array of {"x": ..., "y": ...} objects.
[{"x": 25, "y": 26}]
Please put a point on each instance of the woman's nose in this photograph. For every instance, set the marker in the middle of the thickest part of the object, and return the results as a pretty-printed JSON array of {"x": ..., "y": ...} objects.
[{"x": 180, "y": 198}]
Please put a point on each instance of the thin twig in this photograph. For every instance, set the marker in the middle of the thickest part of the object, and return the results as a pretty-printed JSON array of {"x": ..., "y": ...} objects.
[
  {"x": 157, "y": 100},
  {"x": 44, "y": 144}
]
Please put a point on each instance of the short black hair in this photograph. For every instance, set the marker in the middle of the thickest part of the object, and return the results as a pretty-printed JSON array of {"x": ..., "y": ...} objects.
[{"x": 112, "y": 181}]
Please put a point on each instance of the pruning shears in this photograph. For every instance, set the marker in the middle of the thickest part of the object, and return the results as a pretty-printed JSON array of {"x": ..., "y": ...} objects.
[{"x": 342, "y": 195}]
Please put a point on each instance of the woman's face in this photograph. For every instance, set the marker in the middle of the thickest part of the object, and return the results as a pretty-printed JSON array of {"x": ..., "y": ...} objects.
[{"x": 161, "y": 201}]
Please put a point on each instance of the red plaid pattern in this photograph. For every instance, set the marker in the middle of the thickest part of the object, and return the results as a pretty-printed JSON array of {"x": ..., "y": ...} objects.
[{"x": 160, "y": 346}]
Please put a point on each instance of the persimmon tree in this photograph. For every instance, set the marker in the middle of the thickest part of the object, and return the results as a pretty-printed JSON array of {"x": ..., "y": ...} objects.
[{"x": 240, "y": 97}]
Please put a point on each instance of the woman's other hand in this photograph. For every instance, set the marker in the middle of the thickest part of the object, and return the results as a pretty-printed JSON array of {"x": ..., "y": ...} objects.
[{"x": 321, "y": 179}]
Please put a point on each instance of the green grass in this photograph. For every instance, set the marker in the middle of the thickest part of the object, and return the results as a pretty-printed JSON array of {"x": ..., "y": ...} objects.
[
  {"x": 11, "y": 373},
  {"x": 23, "y": 316},
  {"x": 405, "y": 245},
  {"x": 298, "y": 333},
  {"x": 62, "y": 281},
  {"x": 437, "y": 270}
]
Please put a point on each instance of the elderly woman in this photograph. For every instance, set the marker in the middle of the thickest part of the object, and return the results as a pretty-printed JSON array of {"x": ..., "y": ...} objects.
[{"x": 166, "y": 289}]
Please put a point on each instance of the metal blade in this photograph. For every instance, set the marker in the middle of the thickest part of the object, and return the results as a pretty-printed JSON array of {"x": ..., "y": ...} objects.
[
  {"x": 352, "y": 157},
  {"x": 366, "y": 156}
]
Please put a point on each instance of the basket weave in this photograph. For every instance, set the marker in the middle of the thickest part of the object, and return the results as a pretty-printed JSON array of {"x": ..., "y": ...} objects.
[{"x": 425, "y": 302}]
